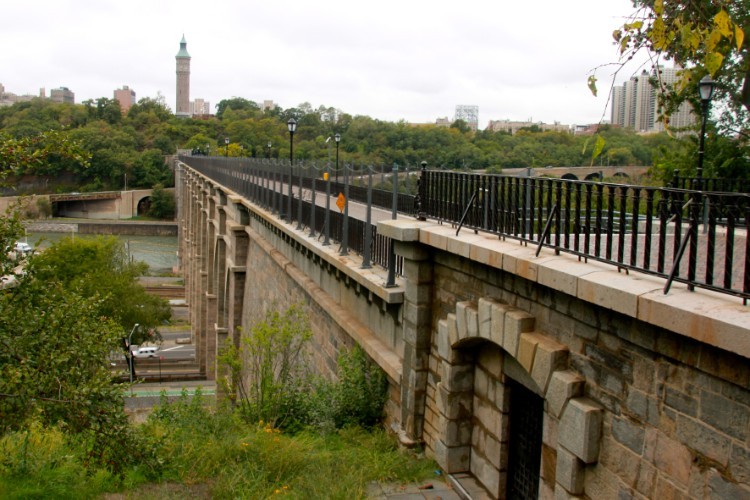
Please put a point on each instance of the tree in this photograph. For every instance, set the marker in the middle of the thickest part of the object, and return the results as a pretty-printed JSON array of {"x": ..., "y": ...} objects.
[
  {"x": 704, "y": 37},
  {"x": 55, "y": 367},
  {"x": 100, "y": 268},
  {"x": 162, "y": 203}
]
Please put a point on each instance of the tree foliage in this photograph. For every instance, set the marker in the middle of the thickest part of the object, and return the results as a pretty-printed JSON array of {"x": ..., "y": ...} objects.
[
  {"x": 132, "y": 148},
  {"x": 703, "y": 37},
  {"x": 55, "y": 345},
  {"x": 100, "y": 269}
]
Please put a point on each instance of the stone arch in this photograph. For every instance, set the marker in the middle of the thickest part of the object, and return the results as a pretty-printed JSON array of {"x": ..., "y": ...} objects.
[
  {"x": 569, "y": 177},
  {"x": 143, "y": 206},
  {"x": 483, "y": 350}
]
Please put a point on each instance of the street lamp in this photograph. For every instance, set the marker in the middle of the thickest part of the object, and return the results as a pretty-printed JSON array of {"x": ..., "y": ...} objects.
[
  {"x": 337, "y": 138},
  {"x": 226, "y": 146},
  {"x": 269, "y": 149},
  {"x": 292, "y": 125},
  {"x": 706, "y": 91},
  {"x": 130, "y": 353}
]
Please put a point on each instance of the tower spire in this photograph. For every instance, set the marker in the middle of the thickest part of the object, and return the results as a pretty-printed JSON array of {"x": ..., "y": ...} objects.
[{"x": 183, "y": 80}]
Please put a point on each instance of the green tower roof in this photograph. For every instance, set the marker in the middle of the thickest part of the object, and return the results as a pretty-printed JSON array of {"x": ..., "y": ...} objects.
[{"x": 183, "y": 49}]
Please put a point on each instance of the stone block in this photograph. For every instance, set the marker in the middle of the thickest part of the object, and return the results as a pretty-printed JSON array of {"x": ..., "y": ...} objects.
[
  {"x": 703, "y": 439},
  {"x": 726, "y": 415},
  {"x": 563, "y": 385},
  {"x": 526, "y": 350},
  {"x": 515, "y": 323},
  {"x": 562, "y": 494},
  {"x": 486, "y": 474},
  {"x": 497, "y": 328},
  {"x": 740, "y": 463},
  {"x": 581, "y": 429},
  {"x": 458, "y": 378},
  {"x": 455, "y": 432},
  {"x": 484, "y": 309},
  {"x": 628, "y": 433},
  {"x": 550, "y": 356},
  {"x": 466, "y": 320},
  {"x": 443, "y": 344},
  {"x": 570, "y": 472},
  {"x": 452, "y": 459},
  {"x": 671, "y": 458},
  {"x": 452, "y": 329}
]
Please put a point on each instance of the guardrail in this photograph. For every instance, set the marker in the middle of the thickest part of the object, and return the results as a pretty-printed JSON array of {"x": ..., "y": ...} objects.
[
  {"x": 695, "y": 237},
  {"x": 690, "y": 236}
]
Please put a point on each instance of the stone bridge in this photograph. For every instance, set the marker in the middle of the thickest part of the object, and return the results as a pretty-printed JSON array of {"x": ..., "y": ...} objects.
[
  {"x": 533, "y": 376},
  {"x": 581, "y": 173}
]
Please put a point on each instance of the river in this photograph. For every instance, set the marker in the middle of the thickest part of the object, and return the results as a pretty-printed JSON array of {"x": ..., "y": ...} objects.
[{"x": 159, "y": 252}]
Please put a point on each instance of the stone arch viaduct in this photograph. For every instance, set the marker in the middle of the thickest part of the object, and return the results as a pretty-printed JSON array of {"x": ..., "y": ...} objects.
[{"x": 531, "y": 375}]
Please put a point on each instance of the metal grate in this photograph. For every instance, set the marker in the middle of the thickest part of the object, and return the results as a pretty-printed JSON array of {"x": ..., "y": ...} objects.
[{"x": 525, "y": 449}]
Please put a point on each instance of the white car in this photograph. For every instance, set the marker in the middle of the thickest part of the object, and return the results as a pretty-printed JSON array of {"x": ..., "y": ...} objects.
[
  {"x": 147, "y": 352},
  {"x": 23, "y": 248}
]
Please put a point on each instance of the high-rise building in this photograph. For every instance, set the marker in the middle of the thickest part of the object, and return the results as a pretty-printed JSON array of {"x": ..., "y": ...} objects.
[
  {"x": 183, "y": 80},
  {"x": 200, "y": 107},
  {"x": 126, "y": 97},
  {"x": 634, "y": 103},
  {"x": 469, "y": 114},
  {"x": 63, "y": 94}
]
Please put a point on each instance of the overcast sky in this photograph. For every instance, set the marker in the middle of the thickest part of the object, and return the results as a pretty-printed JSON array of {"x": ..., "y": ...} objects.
[{"x": 411, "y": 60}]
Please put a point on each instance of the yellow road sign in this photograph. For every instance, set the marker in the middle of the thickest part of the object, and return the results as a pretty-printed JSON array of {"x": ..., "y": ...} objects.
[{"x": 341, "y": 202}]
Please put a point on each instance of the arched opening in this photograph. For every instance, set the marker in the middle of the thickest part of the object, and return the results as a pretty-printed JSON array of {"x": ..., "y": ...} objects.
[
  {"x": 570, "y": 177},
  {"x": 144, "y": 206},
  {"x": 525, "y": 441},
  {"x": 594, "y": 176}
]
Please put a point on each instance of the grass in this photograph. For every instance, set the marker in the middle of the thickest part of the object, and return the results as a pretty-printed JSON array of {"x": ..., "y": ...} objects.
[{"x": 210, "y": 453}]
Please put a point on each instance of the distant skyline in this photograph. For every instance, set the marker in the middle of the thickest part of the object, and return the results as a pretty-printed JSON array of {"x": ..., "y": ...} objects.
[{"x": 412, "y": 61}]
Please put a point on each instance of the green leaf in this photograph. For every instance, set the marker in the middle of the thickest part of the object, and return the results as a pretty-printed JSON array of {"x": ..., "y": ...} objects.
[
  {"x": 713, "y": 62},
  {"x": 723, "y": 23},
  {"x": 592, "y": 84},
  {"x": 598, "y": 147}
]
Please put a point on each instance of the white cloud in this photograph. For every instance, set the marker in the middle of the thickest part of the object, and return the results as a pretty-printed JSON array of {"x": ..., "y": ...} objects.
[{"x": 413, "y": 60}]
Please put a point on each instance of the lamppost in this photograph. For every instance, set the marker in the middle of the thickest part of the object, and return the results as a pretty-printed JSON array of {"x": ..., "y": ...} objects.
[
  {"x": 269, "y": 149},
  {"x": 706, "y": 91},
  {"x": 130, "y": 354},
  {"x": 337, "y": 138},
  {"x": 292, "y": 126},
  {"x": 226, "y": 147}
]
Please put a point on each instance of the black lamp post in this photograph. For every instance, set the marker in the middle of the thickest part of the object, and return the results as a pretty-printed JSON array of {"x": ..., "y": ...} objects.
[
  {"x": 337, "y": 138},
  {"x": 292, "y": 125},
  {"x": 706, "y": 91},
  {"x": 269, "y": 149},
  {"x": 226, "y": 147}
]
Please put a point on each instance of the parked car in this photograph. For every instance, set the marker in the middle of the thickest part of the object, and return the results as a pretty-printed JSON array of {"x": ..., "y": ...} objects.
[
  {"x": 147, "y": 352},
  {"x": 23, "y": 248}
]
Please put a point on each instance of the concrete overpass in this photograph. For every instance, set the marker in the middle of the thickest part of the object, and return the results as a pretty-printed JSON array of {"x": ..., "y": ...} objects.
[
  {"x": 534, "y": 375},
  {"x": 102, "y": 204}
]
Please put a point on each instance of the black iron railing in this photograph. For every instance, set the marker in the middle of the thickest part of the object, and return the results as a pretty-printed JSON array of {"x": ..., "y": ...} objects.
[
  {"x": 694, "y": 237},
  {"x": 261, "y": 181}
]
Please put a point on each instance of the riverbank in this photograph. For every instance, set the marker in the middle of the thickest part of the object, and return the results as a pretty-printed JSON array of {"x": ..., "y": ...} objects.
[{"x": 108, "y": 227}]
